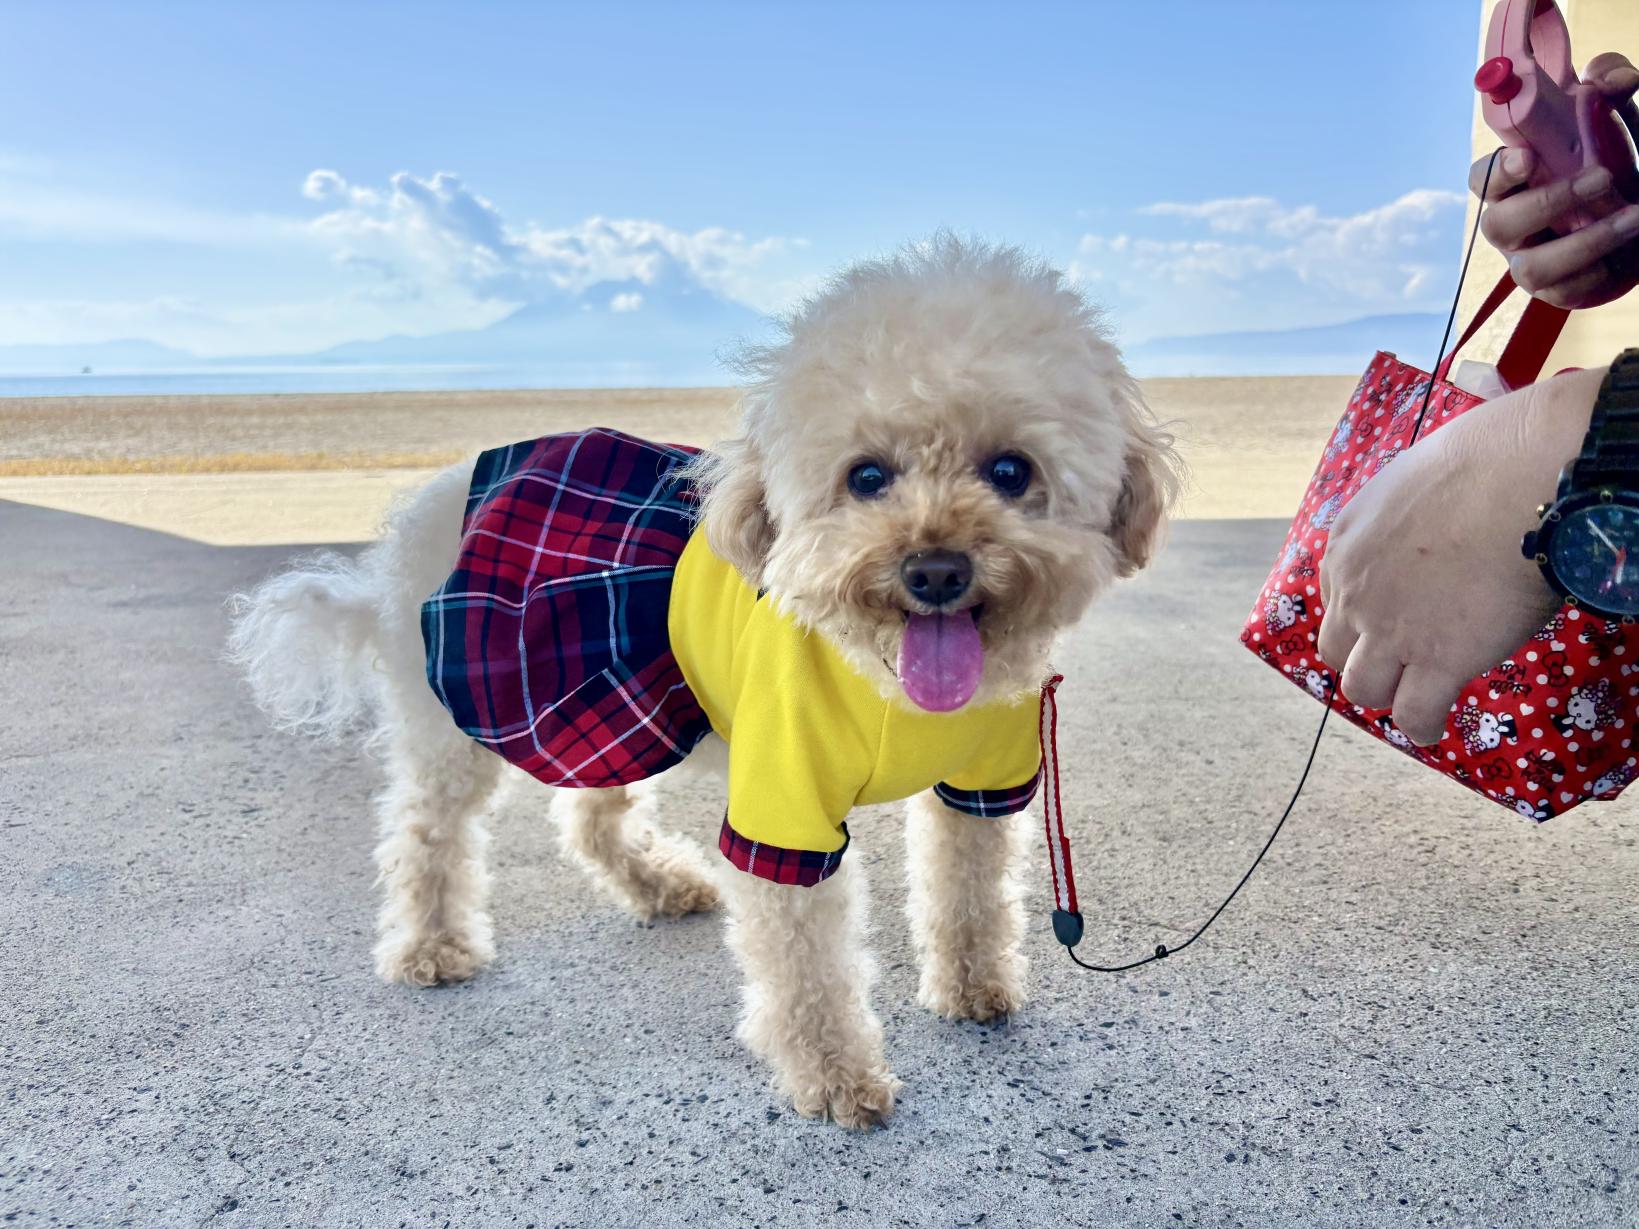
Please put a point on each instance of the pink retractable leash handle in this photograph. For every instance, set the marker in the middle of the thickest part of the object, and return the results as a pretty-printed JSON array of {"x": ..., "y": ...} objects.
[{"x": 1532, "y": 99}]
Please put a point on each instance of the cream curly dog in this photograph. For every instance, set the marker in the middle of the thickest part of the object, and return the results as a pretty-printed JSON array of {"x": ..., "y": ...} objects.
[{"x": 938, "y": 469}]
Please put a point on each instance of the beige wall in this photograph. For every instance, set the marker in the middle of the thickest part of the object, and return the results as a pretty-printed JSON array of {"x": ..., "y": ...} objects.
[{"x": 1592, "y": 338}]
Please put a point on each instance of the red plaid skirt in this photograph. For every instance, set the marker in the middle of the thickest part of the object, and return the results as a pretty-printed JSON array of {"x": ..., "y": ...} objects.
[{"x": 548, "y": 643}]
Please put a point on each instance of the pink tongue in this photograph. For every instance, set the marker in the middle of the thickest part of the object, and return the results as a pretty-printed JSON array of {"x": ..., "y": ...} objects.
[{"x": 940, "y": 660}]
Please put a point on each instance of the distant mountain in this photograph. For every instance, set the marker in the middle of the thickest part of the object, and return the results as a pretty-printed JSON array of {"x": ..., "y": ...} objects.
[
  {"x": 74, "y": 356},
  {"x": 671, "y": 331},
  {"x": 1328, "y": 349},
  {"x": 644, "y": 333}
]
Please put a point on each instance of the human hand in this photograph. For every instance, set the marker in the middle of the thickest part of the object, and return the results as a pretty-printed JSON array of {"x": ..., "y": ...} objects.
[
  {"x": 1423, "y": 585},
  {"x": 1584, "y": 268}
]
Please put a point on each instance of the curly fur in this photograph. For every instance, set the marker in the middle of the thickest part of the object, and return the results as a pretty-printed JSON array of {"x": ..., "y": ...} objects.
[
  {"x": 807, "y": 994},
  {"x": 965, "y": 909},
  {"x": 611, "y": 833},
  {"x": 931, "y": 361},
  {"x": 304, "y": 639}
]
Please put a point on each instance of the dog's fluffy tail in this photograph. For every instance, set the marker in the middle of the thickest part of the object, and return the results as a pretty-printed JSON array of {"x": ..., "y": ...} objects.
[{"x": 306, "y": 641}]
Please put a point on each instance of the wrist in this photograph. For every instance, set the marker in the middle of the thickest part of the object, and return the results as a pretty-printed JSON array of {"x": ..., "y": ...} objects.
[
  {"x": 1552, "y": 421},
  {"x": 1589, "y": 529}
]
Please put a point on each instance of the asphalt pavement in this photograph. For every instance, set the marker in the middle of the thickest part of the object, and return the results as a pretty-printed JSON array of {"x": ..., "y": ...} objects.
[{"x": 1422, "y": 1010}]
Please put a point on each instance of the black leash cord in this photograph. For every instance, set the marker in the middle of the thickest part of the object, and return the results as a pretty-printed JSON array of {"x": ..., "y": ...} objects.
[{"x": 1162, "y": 951}]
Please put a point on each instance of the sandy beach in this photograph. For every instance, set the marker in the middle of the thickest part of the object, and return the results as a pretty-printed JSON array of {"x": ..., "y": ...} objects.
[{"x": 299, "y": 469}]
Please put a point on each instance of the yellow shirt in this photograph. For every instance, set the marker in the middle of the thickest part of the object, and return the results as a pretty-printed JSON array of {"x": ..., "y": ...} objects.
[{"x": 809, "y": 738}]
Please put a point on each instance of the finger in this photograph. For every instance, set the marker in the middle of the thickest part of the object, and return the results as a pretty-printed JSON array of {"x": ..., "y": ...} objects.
[
  {"x": 1550, "y": 263},
  {"x": 1422, "y": 704},
  {"x": 1336, "y": 640},
  {"x": 1511, "y": 169},
  {"x": 1617, "y": 81},
  {"x": 1589, "y": 288},
  {"x": 1508, "y": 224},
  {"x": 1614, "y": 75},
  {"x": 1371, "y": 676},
  {"x": 1607, "y": 280}
]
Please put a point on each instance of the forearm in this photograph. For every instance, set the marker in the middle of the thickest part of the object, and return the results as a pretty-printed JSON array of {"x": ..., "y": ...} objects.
[{"x": 1424, "y": 583}]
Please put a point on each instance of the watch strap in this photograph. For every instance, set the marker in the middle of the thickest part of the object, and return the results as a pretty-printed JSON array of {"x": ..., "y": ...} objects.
[{"x": 1610, "y": 450}]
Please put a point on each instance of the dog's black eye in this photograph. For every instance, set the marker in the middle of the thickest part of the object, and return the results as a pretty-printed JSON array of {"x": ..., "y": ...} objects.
[
  {"x": 868, "y": 478},
  {"x": 1009, "y": 474}
]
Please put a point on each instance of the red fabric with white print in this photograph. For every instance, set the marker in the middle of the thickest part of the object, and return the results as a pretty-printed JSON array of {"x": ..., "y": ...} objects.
[{"x": 1551, "y": 727}]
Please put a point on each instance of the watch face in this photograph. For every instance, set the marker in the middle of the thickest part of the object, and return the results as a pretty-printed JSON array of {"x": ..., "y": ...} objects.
[{"x": 1595, "y": 553}]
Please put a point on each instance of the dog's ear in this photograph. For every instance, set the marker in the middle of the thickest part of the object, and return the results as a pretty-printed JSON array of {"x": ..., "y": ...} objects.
[
  {"x": 734, "y": 510},
  {"x": 1148, "y": 488}
]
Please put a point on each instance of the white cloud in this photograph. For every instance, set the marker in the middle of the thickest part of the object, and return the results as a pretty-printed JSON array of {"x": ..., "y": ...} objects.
[
  {"x": 428, "y": 236},
  {"x": 421, "y": 255},
  {"x": 322, "y": 185},
  {"x": 1242, "y": 215},
  {"x": 45, "y": 201},
  {"x": 1292, "y": 264},
  {"x": 33, "y": 210}
]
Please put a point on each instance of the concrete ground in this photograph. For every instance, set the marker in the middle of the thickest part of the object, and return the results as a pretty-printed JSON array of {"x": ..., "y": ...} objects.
[{"x": 1421, "y": 1012}]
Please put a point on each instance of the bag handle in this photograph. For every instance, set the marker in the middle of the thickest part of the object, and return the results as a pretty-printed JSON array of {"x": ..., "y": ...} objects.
[{"x": 1527, "y": 350}]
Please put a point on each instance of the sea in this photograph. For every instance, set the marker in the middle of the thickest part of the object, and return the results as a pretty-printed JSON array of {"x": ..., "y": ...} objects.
[{"x": 336, "y": 378}]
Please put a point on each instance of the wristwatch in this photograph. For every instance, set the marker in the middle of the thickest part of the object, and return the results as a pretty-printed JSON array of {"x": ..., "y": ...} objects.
[{"x": 1587, "y": 544}]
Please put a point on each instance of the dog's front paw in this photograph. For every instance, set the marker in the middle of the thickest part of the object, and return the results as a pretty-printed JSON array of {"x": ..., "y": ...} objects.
[
  {"x": 431, "y": 960},
  {"x": 860, "y": 1101},
  {"x": 973, "y": 998}
]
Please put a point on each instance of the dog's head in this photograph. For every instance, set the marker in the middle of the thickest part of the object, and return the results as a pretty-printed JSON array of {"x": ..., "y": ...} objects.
[{"x": 940, "y": 466}]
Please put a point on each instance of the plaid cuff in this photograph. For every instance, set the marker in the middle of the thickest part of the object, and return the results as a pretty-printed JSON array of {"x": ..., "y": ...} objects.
[
  {"x": 989, "y": 803},
  {"x": 802, "y": 868}
]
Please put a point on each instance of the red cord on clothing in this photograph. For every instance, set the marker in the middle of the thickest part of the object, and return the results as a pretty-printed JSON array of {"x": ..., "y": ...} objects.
[{"x": 1058, "y": 841}]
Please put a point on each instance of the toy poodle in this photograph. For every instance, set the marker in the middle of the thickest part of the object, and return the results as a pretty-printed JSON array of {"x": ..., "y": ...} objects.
[{"x": 939, "y": 465}]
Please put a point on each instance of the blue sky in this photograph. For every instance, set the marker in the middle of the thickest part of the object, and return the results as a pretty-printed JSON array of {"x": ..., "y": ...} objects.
[{"x": 1200, "y": 166}]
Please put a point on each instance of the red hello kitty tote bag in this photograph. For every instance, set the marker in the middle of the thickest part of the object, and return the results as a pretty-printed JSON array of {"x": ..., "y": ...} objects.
[{"x": 1553, "y": 725}]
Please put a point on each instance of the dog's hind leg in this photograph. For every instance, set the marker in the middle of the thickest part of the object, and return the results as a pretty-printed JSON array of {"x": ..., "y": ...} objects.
[
  {"x": 434, "y": 924},
  {"x": 611, "y": 833},
  {"x": 964, "y": 909}
]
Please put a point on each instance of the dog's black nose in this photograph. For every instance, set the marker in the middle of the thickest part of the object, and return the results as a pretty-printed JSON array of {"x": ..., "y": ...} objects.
[{"x": 937, "y": 577}]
